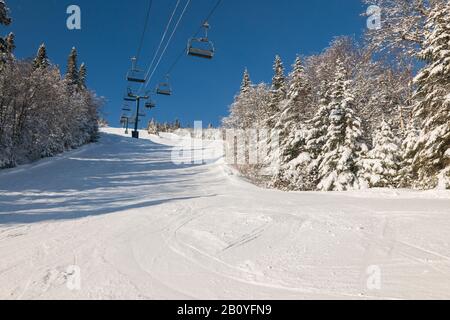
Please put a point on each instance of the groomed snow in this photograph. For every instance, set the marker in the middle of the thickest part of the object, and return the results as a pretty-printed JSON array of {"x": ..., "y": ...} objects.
[{"x": 140, "y": 227}]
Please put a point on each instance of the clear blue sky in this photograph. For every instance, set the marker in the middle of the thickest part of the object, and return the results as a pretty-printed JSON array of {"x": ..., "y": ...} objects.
[{"x": 247, "y": 33}]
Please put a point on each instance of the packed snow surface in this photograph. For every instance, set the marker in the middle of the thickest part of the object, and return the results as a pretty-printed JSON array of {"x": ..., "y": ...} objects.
[{"x": 137, "y": 226}]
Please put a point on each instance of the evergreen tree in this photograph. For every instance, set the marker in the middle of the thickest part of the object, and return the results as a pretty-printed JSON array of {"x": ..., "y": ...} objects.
[
  {"x": 82, "y": 75},
  {"x": 299, "y": 87},
  {"x": 4, "y": 17},
  {"x": 72, "y": 68},
  {"x": 177, "y": 124},
  {"x": 7, "y": 46},
  {"x": 381, "y": 168},
  {"x": 41, "y": 61},
  {"x": 246, "y": 83},
  {"x": 338, "y": 163},
  {"x": 307, "y": 143},
  {"x": 244, "y": 103},
  {"x": 242, "y": 115},
  {"x": 278, "y": 92},
  {"x": 5, "y": 20},
  {"x": 152, "y": 127},
  {"x": 10, "y": 43},
  {"x": 274, "y": 112},
  {"x": 291, "y": 121},
  {"x": 406, "y": 174},
  {"x": 431, "y": 159},
  {"x": 279, "y": 79}
]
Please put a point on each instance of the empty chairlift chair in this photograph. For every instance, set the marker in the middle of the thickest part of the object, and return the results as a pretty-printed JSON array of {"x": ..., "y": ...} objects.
[
  {"x": 150, "y": 104},
  {"x": 135, "y": 75},
  {"x": 164, "y": 88},
  {"x": 201, "y": 47},
  {"x": 129, "y": 96}
]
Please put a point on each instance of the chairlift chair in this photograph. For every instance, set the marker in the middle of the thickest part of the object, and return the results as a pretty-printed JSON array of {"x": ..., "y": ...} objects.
[
  {"x": 124, "y": 121},
  {"x": 129, "y": 96},
  {"x": 164, "y": 88},
  {"x": 126, "y": 108},
  {"x": 201, "y": 47},
  {"x": 133, "y": 122},
  {"x": 135, "y": 75},
  {"x": 150, "y": 105}
]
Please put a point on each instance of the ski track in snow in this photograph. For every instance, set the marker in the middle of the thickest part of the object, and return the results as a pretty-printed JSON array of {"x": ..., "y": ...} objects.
[{"x": 141, "y": 227}]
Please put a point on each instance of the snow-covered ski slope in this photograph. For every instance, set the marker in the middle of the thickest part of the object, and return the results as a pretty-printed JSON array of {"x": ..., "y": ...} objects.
[{"x": 138, "y": 226}]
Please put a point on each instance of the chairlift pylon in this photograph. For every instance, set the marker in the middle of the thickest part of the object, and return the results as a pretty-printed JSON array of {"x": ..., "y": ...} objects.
[
  {"x": 201, "y": 47},
  {"x": 135, "y": 75}
]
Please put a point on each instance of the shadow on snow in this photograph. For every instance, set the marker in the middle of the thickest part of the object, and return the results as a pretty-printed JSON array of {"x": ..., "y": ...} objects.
[{"x": 117, "y": 174}]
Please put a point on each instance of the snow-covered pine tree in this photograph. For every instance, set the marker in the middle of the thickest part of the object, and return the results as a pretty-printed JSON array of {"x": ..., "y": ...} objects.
[
  {"x": 246, "y": 82},
  {"x": 10, "y": 43},
  {"x": 299, "y": 87},
  {"x": 41, "y": 61},
  {"x": 274, "y": 111},
  {"x": 277, "y": 94},
  {"x": 241, "y": 113},
  {"x": 4, "y": 17},
  {"x": 82, "y": 76},
  {"x": 338, "y": 162},
  {"x": 406, "y": 175},
  {"x": 177, "y": 124},
  {"x": 431, "y": 159},
  {"x": 152, "y": 127},
  {"x": 5, "y": 20},
  {"x": 7, "y": 46},
  {"x": 381, "y": 166},
  {"x": 291, "y": 121},
  {"x": 72, "y": 68},
  {"x": 301, "y": 172},
  {"x": 244, "y": 101}
]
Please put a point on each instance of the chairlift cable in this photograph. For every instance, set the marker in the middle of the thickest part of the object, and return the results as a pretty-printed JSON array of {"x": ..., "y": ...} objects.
[
  {"x": 161, "y": 41},
  {"x": 147, "y": 19},
  {"x": 208, "y": 17},
  {"x": 168, "y": 42}
]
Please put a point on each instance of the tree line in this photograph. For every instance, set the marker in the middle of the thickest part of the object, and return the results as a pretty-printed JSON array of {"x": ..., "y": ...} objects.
[
  {"x": 155, "y": 127},
  {"x": 42, "y": 113},
  {"x": 358, "y": 115}
]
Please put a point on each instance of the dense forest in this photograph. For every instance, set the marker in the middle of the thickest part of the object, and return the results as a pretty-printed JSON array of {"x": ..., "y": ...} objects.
[
  {"x": 358, "y": 115},
  {"x": 42, "y": 113}
]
